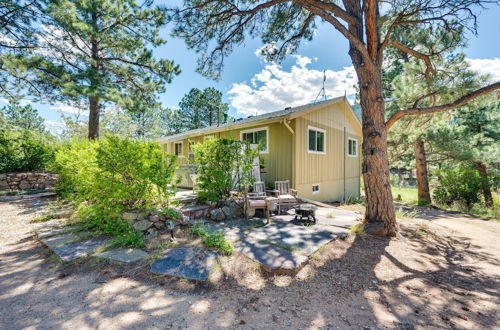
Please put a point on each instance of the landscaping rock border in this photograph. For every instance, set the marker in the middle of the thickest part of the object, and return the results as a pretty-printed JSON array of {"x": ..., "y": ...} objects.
[{"x": 35, "y": 180}]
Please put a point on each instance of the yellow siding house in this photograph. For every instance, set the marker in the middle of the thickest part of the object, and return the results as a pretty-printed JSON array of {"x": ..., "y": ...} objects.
[{"x": 315, "y": 146}]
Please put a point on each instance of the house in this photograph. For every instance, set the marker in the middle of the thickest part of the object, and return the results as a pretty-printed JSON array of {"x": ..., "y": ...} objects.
[{"x": 315, "y": 146}]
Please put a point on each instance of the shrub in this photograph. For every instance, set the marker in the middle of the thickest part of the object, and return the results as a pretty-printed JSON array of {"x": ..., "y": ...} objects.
[
  {"x": 110, "y": 176},
  {"x": 23, "y": 151},
  {"x": 460, "y": 184},
  {"x": 223, "y": 165}
]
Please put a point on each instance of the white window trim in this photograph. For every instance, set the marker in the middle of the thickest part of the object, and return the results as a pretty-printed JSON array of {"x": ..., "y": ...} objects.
[
  {"x": 317, "y": 129},
  {"x": 356, "y": 150},
  {"x": 317, "y": 191},
  {"x": 182, "y": 149},
  {"x": 208, "y": 137},
  {"x": 263, "y": 128}
]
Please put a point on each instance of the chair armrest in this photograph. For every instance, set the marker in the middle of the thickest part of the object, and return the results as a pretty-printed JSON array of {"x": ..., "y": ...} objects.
[
  {"x": 293, "y": 192},
  {"x": 273, "y": 192},
  {"x": 256, "y": 195}
]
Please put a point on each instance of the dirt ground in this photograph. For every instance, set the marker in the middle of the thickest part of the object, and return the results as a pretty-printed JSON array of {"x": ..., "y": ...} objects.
[{"x": 442, "y": 272}]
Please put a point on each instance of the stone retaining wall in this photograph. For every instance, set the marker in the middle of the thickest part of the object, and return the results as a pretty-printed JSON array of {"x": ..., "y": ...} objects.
[{"x": 35, "y": 180}]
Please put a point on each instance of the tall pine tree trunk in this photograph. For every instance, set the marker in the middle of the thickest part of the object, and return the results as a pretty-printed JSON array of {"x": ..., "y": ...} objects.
[
  {"x": 488, "y": 198},
  {"x": 379, "y": 216},
  {"x": 424, "y": 196},
  {"x": 94, "y": 112}
]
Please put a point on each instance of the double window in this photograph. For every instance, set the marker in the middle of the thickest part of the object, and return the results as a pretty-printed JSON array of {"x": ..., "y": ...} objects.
[
  {"x": 352, "y": 147},
  {"x": 257, "y": 136},
  {"x": 316, "y": 140}
]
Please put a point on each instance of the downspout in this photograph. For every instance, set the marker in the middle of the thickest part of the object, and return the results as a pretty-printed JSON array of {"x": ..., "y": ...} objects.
[{"x": 344, "y": 162}]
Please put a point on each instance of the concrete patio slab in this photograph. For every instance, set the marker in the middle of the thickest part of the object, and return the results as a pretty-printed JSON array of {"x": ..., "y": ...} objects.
[
  {"x": 123, "y": 255},
  {"x": 64, "y": 238},
  {"x": 79, "y": 249},
  {"x": 341, "y": 218},
  {"x": 189, "y": 263},
  {"x": 301, "y": 239},
  {"x": 272, "y": 258}
]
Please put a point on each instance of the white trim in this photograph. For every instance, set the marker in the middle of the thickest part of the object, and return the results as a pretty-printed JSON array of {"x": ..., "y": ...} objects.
[
  {"x": 182, "y": 149},
  {"x": 317, "y": 129},
  {"x": 312, "y": 188},
  {"x": 356, "y": 150},
  {"x": 258, "y": 129},
  {"x": 208, "y": 137}
]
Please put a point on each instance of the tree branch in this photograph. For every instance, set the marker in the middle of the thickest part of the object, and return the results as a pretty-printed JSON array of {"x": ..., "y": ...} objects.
[
  {"x": 426, "y": 58},
  {"x": 441, "y": 108}
]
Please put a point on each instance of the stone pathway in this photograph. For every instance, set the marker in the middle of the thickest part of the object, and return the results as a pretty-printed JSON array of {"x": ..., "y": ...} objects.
[
  {"x": 72, "y": 251},
  {"x": 190, "y": 263}
]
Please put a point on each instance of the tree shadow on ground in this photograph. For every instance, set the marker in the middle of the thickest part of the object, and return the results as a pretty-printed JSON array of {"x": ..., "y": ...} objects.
[{"x": 425, "y": 279}]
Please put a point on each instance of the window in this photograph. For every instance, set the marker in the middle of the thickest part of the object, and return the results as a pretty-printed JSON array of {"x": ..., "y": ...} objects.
[
  {"x": 316, "y": 140},
  {"x": 256, "y": 136},
  {"x": 352, "y": 147},
  {"x": 178, "y": 149},
  {"x": 315, "y": 188},
  {"x": 190, "y": 150}
]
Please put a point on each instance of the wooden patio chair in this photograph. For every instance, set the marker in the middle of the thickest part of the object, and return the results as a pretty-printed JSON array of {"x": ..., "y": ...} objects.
[
  {"x": 285, "y": 195},
  {"x": 256, "y": 200}
]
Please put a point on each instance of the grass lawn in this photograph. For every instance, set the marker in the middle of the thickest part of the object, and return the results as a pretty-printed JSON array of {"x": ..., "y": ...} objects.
[{"x": 408, "y": 194}]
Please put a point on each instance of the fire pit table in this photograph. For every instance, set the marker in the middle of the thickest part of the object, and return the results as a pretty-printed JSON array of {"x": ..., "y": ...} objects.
[{"x": 305, "y": 212}]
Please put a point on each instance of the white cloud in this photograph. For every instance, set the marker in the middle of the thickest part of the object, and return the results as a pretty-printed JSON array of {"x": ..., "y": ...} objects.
[
  {"x": 274, "y": 88},
  {"x": 77, "y": 109},
  {"x": 489, "y": 66},
  {"x": 56, "y": 127}
]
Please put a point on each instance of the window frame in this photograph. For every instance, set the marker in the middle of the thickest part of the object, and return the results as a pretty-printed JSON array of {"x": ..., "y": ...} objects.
[
  {"x": 182, "y": 149},
  {"x": 258, "y": 129},
  {"x": 316, "y": 129},
  {"x": 355, "y": 155},
  {"x": 312, "y": 188}
]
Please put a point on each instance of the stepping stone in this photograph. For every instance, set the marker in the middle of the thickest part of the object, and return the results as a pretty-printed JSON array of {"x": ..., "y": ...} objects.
[
  {"x": 53, "y": 241},
  {"x": 272, "y": 258},
  {"x": 53, "y": 231},
  {"x": 190, "y": 263},
  {"x": 76, "y": 250},
  {"x": 123, "y": 255}
]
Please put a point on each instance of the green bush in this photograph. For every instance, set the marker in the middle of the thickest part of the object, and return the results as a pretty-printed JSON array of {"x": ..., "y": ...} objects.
[
  {"x": 461, "y": 184},
  {"x": 223, "y": 164},
  {"x": 23, "y": 151},
  {"x": 110, "y": 176}
]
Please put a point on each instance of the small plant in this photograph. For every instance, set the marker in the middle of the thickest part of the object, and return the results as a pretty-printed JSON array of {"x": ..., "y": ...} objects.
[
  {"x": 170, "y": 213},
  {"x": 215, "y": 240},
  {"x": 330, "y": 215},
  {"x": 354, "y": 200},
  {"x": 401, "y": 213},
  {"x": 359, "y": 230},
  {"x": 42, "y": 218}
]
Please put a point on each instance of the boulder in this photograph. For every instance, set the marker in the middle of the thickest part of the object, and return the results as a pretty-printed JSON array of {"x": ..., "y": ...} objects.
[
  {"x": 131, "y": 216},
  {"x": 24, "y": 185},
  {"x": 228, "y": 212},
  {"x": 159, "y": 225},
  {"x": 142, "y": 225},
  {"x": 151, "y": 233},
  {"x": 154, "y": 218},
  {"x": 217, "y": 215}
]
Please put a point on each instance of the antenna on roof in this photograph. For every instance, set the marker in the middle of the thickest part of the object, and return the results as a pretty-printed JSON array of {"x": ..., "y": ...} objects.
[{"x": 322, "y": 91}]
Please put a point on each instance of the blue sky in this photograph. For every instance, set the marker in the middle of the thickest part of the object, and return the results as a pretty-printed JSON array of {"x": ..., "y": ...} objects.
[{"x": 250, "y": 85}]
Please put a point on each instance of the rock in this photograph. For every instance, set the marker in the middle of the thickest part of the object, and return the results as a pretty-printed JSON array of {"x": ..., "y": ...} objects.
[
  {"x": 151, "y": 233},
  {"x": 24, "y": 185},
  {"x": 142, "y": 225},
  {"x": 228, "y": 212},
  {"x": 154, "y": 218},
  {"x": 187, "y": 220},
  {"x": 159, "y": 225},
  {"x": 217, "y": 215},
  {"x": 130, "y": 216}
]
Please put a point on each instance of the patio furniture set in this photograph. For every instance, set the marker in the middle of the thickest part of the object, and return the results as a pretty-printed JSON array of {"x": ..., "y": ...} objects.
[{"x": 281, "y": 198}]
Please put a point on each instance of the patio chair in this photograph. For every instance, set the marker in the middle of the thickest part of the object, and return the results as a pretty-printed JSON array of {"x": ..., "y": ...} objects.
[
  {"x": 285, "y": 195},
  {"x": 256, "y": 200}
]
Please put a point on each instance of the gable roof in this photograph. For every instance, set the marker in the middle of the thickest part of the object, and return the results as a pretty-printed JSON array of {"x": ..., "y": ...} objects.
[{"x": 288, "y": 112}]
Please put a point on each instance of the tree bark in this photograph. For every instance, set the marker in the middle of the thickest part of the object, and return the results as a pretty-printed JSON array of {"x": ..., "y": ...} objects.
[
  {"x": 424, "y": 196},
  {"x": 488, "y": 198},
  {"x": 94, "y": 112},
  {"x": 380, "y": 218}
]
